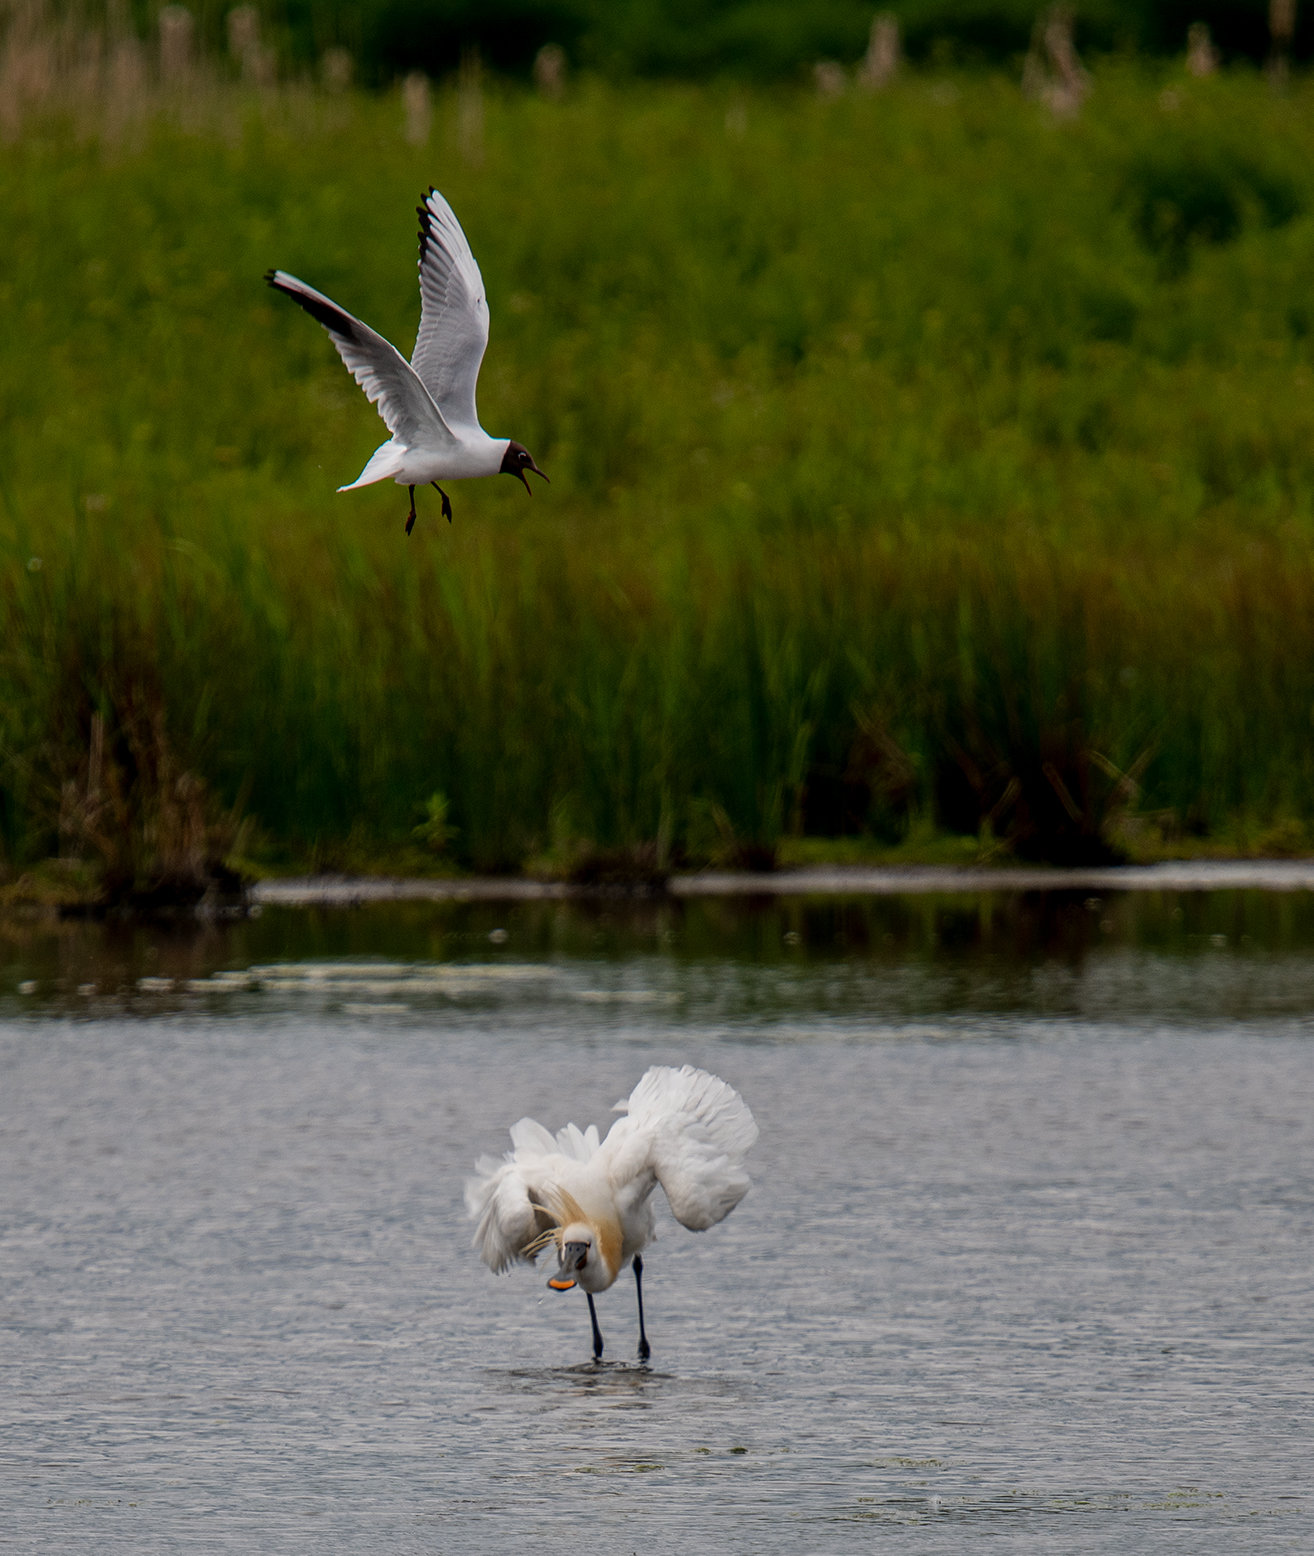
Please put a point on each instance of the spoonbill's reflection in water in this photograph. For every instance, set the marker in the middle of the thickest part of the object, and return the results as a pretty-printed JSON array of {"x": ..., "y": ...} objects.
[{"x": 591, "y": 1200}]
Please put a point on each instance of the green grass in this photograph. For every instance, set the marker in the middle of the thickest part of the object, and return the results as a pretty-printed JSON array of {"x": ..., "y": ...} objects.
[{"x": 918, "y": 464}]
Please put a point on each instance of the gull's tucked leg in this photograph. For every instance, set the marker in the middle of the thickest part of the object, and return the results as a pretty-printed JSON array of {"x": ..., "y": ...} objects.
[
  {"x": 410, "y": 518},
  {"x": 597, "y": 1333},
  {"x": 644, "y": 1351},
  {"x": 447, "y": 506}
]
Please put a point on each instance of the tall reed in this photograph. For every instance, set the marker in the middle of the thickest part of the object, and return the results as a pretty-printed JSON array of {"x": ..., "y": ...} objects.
[{"x": 897, "y": 478}]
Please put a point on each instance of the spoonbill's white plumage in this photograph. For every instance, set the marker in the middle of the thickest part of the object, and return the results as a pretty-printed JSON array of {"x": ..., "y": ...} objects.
[
  {"x": 428, "y": 403},
  {"x": 590, "y": 1200}
]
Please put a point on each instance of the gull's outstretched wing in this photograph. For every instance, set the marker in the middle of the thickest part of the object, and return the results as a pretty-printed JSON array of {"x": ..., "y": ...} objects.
[
  {"x": 453, "y": 314},
  {"x": 380, "y": 369},
  {"x": 691, "y": 1131}
]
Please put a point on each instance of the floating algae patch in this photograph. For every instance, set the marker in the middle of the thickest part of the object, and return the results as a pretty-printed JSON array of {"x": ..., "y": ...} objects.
[
  {"x": 984, "y": 1510},
  {"x": 334, "y": 983},
  {"x": 620, "y": 1464}
]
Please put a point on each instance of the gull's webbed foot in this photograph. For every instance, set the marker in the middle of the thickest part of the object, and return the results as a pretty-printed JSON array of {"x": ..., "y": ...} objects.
[{"x": 447, "y": 505}]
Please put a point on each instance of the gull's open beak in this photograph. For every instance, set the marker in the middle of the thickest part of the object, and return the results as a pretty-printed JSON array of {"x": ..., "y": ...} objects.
[{"x": 521, "y": 473}]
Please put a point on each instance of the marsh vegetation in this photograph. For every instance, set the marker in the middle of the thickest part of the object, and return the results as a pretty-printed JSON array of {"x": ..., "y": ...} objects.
[{"x": 921, "y": 465}]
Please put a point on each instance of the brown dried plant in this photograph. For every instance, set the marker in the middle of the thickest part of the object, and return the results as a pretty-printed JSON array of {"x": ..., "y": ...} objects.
[{"x": 148, "y": 821}]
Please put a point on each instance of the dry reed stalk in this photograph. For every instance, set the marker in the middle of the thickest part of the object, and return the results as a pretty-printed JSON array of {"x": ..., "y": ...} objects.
[
  {"x": 104, "y": 77},
  {"x": 1281, "y": 30},
  {"x": 829, "y": 78},
  {"x": 126, "y": 98},
  {"x": 880, "y": 64},
  {"x": 177, "y": 47},
  {"x": 417, "y": 108},
  {"x": 550, "y": 71},
  {"x": 255, "y": 61},
  {"x": 29, "y": 64},
  {"x": 1053, "y": 74},
  {"x": 336, "y": 70},
  {"x": 470, "y": 108},
  {"x": 148, "y": 821},
  {"x": 1201, "y": 55}
]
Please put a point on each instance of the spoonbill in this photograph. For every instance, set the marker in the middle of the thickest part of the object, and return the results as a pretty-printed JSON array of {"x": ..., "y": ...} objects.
[
  {"x": 428, "y": 403},
  {"x": 591, "y": 1201}
]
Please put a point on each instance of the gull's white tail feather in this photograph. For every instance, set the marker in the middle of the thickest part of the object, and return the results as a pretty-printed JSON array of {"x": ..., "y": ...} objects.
[{"x": 384, "y": 464}]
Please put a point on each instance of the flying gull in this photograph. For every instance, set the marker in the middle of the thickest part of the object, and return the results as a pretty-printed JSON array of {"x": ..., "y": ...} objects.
[{"x": 427, "y": 404}]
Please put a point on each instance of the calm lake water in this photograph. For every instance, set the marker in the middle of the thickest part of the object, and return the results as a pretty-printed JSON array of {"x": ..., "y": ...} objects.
[{"x": 1029, "y": 1254}]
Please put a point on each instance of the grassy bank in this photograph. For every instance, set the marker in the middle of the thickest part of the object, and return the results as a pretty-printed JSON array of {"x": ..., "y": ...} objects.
[{"x": 919, "y": 464}]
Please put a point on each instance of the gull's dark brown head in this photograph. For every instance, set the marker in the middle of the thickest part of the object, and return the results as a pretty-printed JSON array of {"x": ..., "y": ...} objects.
[{"x": 516, "y": 461}]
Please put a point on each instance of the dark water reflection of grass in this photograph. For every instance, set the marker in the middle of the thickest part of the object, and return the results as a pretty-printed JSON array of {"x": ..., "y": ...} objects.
[{"x": 1245, "y": 951}]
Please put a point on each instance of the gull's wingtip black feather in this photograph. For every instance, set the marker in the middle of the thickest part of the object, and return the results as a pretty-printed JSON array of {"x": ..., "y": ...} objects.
[
  {"x": 426, "y": 232},
  {"x": 271, "y": 277},
  {"x": 322, "y": 309}
]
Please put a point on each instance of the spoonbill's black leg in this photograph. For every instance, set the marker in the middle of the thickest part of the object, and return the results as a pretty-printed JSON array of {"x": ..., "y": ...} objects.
[
  {"x": 644, "y": 1351},
  {"x": 447, "y": 506},
  {"x": 597, "y": 1333},
  {"x": 410, "y": 518}
]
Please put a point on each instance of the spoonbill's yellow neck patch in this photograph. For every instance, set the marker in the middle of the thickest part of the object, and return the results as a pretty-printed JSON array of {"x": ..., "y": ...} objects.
[{"x": 588, "y": 1247}]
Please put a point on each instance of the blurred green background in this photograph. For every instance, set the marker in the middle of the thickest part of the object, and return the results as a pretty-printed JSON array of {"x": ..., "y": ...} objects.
[
  {"x": 762, "y": 40},
  {"x": 932, "y": 467}
]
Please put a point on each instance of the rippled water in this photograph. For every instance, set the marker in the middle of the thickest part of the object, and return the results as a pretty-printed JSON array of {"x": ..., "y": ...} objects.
[{"x": 1028, "y": 1255}]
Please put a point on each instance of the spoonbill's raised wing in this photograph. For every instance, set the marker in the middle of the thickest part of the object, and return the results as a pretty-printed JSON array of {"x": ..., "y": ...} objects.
[{"x": 590, "y": 1200}]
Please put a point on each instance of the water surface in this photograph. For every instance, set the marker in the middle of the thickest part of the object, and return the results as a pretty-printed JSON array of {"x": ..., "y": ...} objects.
[{"x": 1028, "y": 1254}]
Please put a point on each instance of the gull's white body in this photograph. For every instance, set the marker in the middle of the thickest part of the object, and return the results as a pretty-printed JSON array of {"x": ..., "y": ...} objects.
[
  {"x": 683, "y": 1129},
  {"x": 428, "y": 403}
]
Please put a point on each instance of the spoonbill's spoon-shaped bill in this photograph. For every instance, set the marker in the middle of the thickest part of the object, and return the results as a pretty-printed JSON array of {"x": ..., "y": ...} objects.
[
  {"x": 590, "y": 1201},
  {"x": 428, "y": 403}
]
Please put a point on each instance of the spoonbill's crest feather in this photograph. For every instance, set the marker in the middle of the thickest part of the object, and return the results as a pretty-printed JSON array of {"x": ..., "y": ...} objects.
[
  {"x": 518, "y": 1199},
  {"x": 531, "y": 1139}
]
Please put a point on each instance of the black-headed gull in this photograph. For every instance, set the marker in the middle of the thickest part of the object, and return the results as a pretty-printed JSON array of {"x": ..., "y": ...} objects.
[
  {"x": 427, "y": 404},
  {"x": 591, "y": 1201}
]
